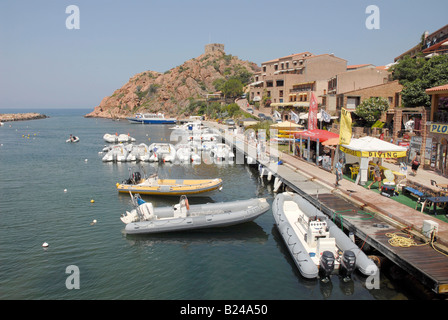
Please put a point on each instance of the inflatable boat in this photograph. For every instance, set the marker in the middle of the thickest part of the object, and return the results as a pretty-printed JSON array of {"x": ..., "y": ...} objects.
[
  {"x": 145, "y": 218},
  {"x": 316, "y": 244}
]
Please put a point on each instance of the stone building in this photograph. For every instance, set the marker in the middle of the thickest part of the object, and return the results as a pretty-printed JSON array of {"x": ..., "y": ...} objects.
[
  {"x": 287, "y": 82},
  {"x": 213, "y": 48}
]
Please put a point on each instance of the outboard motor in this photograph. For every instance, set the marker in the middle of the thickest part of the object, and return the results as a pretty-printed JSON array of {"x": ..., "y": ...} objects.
[
  {"x": 348, "y": 264},
  {"x": 136, "y": 176},
  {"x": 326, "y": 266}
]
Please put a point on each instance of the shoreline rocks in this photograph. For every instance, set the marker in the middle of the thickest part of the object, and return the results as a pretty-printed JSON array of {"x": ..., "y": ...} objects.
[{"x": 7, "y": 117}]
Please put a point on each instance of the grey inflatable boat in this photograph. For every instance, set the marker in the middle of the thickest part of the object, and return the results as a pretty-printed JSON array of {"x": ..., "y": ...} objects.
[
  {"x": 316, "y": 244},
  {"x": 145, "y": 218}
]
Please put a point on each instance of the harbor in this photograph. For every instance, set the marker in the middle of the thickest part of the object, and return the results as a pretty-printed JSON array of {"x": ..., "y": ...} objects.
[
  {"x": 69, "y": 199},
  {"x": 424, "y": 261}
]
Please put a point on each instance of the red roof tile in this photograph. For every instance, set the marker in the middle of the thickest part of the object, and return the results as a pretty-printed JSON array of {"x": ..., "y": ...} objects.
[{"x": 439, "y": 88}]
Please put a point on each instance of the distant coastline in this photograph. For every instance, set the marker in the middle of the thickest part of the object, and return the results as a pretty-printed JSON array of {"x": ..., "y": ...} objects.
[{"x": 7, "y": 117}]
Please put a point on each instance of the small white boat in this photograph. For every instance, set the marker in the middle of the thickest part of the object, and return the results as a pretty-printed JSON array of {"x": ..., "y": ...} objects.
[
  {"x": 316, "y": 244},
  {"x": 221, "y": 151},
  {"x": 139, "y": 152},
  {"x": 162, "y": 152},
  {"x": 117, "y": 153},
  {"x": 151, "y": 118},
  {"x": 186, "y": 152},
  {"x": 183, "y": 216},
  {"x": 117, "y": 138},
  {"x": 189, "y": 126},
  {"x": 72, "y": 139}
]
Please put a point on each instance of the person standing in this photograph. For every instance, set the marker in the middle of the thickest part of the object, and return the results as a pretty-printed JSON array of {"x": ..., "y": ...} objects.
[
  {"x": 338, "y": 167},
  {"x": 415, "y": 163},
  {"x": 377, "y": 176}
]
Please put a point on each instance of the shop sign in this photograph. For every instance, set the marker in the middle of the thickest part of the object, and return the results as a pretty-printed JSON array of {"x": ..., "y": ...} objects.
[
  {"x": 439, "y": 128},
  {"x": 374, "y": 154}
]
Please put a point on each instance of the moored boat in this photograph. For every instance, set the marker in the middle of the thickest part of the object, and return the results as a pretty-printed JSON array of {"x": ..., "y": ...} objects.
[
  {"x": 163, "y": 152},
  {"x": 151, "y": 118},
  {"x": 316, "y": 244},
  {"x": 118, "y": 138},
  {"x": 168, "y": 187},
  {"x": 145, "y": 218}
]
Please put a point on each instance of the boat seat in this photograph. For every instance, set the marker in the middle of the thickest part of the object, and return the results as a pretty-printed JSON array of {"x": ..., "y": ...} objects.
[
  {"x": 147, "y": 210},
  {"x": 325, "y": 244}
]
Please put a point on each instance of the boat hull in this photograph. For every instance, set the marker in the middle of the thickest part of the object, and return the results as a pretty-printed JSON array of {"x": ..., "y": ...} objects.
[
  {"x": 173, "y": 187},
  {"x": 364, "y": 264},
  {"x": 202, "y": 216},
  {"x": 152, "y": 121}
]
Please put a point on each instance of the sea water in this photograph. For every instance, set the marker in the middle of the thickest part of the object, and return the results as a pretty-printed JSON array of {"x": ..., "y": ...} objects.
[{"x": 52, "y": 191}]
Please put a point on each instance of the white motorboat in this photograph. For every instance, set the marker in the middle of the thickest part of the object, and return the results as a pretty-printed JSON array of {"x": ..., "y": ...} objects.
[
  {"x": 186, "y": 152},
  {"x": 117, "y": 138},
  {"x": 189, "y": 126},
  {"x": 145, "y": 218},
  {"x": 221, "y": 151},
  {"x": 116, "y": 153},
  {"x": 139, "y": 152},
  {"x": 72, "y": 139},
  {"x": 316, "y": 244},
  {"x": 151, "y": 118},
  {"x": 163, "y": 152}
]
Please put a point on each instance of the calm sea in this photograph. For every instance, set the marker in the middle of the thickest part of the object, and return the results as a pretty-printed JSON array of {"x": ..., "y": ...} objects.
[{"x": 248, "y": 261}]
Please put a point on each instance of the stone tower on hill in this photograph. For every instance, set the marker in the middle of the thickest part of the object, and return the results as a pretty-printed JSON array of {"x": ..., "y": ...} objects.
[{"x": 214, "y": 47}]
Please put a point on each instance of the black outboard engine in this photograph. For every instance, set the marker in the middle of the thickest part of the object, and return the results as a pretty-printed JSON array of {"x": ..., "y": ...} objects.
[
  {"x": 136, "y": 176},
  {"x": 348, "y": 264},
  {"x": 326, "y": 264}
]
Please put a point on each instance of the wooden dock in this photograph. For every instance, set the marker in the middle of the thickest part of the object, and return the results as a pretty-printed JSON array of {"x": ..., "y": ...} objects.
[{"x": 371, "y": 217}]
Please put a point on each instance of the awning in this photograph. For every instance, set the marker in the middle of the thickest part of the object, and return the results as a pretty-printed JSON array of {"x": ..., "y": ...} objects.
[
  {"x": 286, "y": 124},
  {"x": 372, "y": 147},
  {"x": 256, "y": 83},
  {"x": 322, "y": 135},
  {"x": 282, "y": 104}
]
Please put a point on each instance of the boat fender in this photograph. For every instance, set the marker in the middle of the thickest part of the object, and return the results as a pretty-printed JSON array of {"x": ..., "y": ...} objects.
[{"x": 187, "y": 205}]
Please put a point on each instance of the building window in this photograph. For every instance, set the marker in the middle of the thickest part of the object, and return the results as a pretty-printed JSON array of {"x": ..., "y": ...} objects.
[
  {"x": 280, "y": 93},
  {"x": 280, "y": 83}
]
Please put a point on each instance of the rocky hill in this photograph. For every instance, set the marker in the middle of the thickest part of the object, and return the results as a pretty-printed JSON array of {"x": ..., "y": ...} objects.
[{"x": 171, "y": 92}]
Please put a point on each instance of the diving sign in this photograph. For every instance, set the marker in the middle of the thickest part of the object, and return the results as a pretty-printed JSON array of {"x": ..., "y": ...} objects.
[
  {"x": 439, "y": 128},
  {"x": 374, "y": 154}
]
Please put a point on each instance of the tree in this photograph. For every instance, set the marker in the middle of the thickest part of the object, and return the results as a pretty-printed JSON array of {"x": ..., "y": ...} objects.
[
  {"x": 232, "y": 88},
  {"x": 371, "y": 109},
  {"x": 418, "y": 74}
]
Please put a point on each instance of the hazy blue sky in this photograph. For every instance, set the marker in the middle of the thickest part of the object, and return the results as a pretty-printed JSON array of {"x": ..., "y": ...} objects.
[{"x": 44, "y": 64}]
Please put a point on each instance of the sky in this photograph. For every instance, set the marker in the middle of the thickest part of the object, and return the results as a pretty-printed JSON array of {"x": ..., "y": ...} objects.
[{"x": 45, "y": 64}]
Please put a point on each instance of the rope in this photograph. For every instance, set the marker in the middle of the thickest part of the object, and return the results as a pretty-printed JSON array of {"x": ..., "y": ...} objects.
[{"x": 396, "y": 240}]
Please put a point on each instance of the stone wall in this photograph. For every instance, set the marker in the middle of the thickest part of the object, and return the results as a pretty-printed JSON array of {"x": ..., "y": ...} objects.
[{"x": 213, "y": 48}]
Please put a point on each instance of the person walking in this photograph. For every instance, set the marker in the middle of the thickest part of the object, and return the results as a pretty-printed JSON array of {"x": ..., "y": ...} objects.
[
  {"x": 338, "y": 167},
  {"x": 377, "y": 176},
  {"x": 415, "y": 163}
]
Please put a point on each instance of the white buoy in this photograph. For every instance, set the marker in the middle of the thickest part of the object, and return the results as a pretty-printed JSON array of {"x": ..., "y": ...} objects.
[
  {"x": 45, "y": 245},
  {"x": 65, "y": 190},
  {"x": 86, "y": 160},
  {"x": 93, "y": 222}
]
